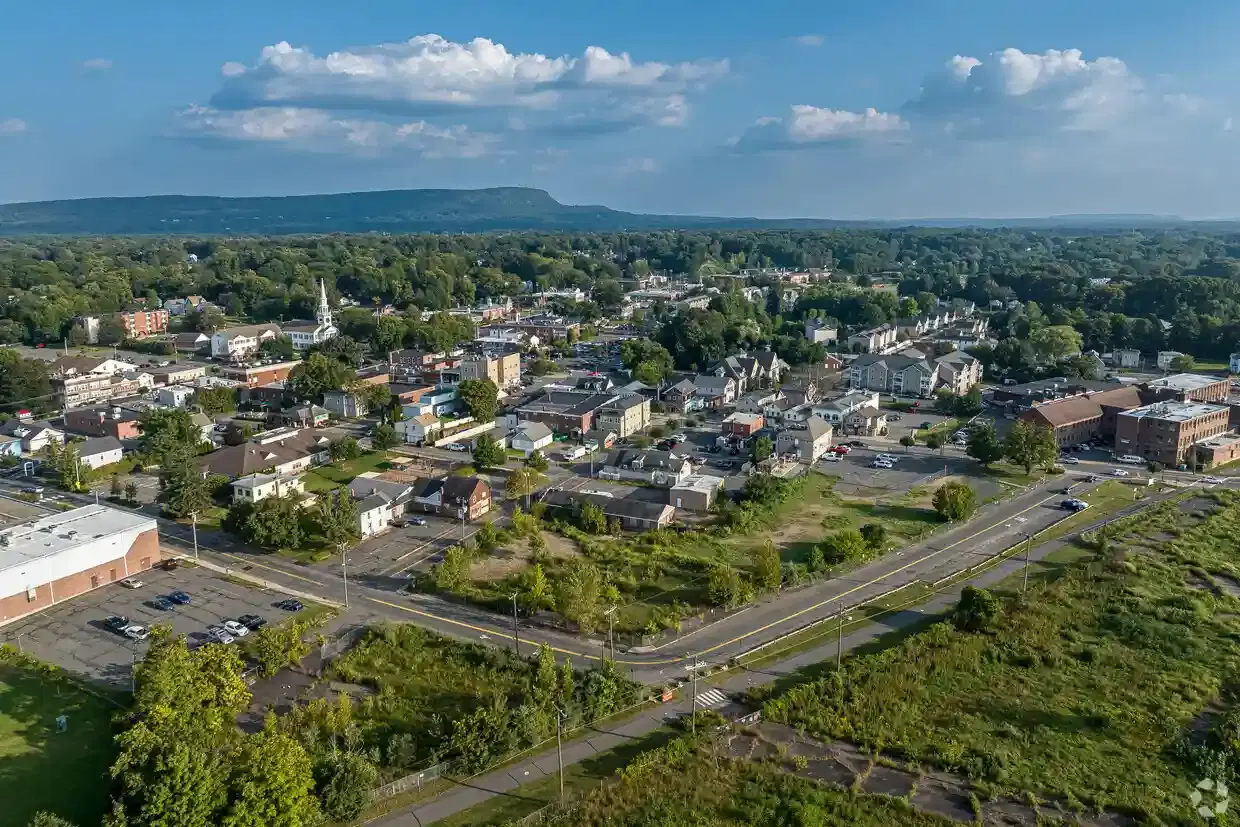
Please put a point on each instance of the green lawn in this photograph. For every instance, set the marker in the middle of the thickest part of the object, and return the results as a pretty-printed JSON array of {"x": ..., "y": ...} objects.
[
  {"x": 41, "y": 769},
  {"x": 1084, "y": 689},
  {"x": 327, "y": 477}
]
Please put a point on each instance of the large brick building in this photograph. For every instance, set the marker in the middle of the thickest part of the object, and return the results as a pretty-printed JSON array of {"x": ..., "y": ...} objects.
[
  {"x": 142, "y": 323},
  {"x": 1085, "y": 417},
  {"x": 257, "y": 375},
  {"x": 58, "y": 557},
  {"x": 1166, "y": 431},
  {"x": 1189, "y": 387}
]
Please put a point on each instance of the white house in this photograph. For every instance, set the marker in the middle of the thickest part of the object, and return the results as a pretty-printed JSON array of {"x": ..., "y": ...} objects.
[
  {"x": 257, "y": 487},
  {"x": 419, "y": 428},
  {"x": 174, "y": 396},
  {"x": 1166, "y": 357},
  {"x": 236, "y": 343},
  {"x": 100, "y": 451},
  {"x": 530, "y": 437},
  {"x": 374, "y": 515},
  {"x": 306, "y": 334},
  {"x": 834, "y": 410},
  {"x": 809, "y": 441}
]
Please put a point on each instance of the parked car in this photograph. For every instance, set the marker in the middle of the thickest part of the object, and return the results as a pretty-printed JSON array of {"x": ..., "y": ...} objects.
[
  {"x": 136, "y": 632},
  {"x": 455, "y": 446},
  {"x": 417, "y": 521},
  {"x": 679, "y": 437},
  {"x": 252, "y": 622},
  {"x": 925, "y": 426},
  {"x": 894, "y": 417},
  {"x": 116, "y": 623},
  {"x": 1214, "y": 480},
  {"x": 722, "y": 463},
  {"x": 1119, "y": 472},
  {"x": 1074, "y": 505},
  {"x": 219, "y": 634},
  {"x": 132, "y": 583},
  {"x": 855, "y": 443},
  {"x": 180, "y": 598},
  {"x": 841, "y": 449},
  {"x": 878, "y": 463},
  {"x": 235, "y": 629},
  {"x": 291, "y": 605},
  {"x": 831, "y": 456},
  {"x": 887, "y": 458},
  {"x": 162, "y": 603},
  {"x": 1130, "y": 459},
  {"x": 1070, "y": 460},
  {"x": 167, "y": 565}
]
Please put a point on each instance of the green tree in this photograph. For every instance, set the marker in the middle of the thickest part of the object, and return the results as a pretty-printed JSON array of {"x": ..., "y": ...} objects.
[
  {"x": 976, "y": 610},
  {"x": 487, "y": 538},
  {"x": 579, "y": 595},
  {"x": 281, "y": 348},
  {"x": 69, "y": 468},
  {"x": 762, "y": 449},
  {"x": 521, "y": 483},
  {"x": 272, "y": 783},
  {"x": 131, "y": 492},
  {"x": 1030, "y": 445},
  {"x": 344, "y": 783},
  {"x": 970, "y": 404},
  {"x": 480, "y": 398},
  {"x": 544, "y": 689},
  {"x": 1184, "y": 363},
  {"x": 488, "y": 453},
  {"x": 212, "y": 401},
  {"x": 726, "y": 587},
  {"x": 847, "y": 546},
  {"x": 535, "y": 591},
  {"x": 273, "y": 523},
  {"x": 875, "y": 535},
  {"x": 45, "y": 819},
  {"x": 385, "y": 437},
  {"x": 955, "y": 501},
  {"x": 374, "y": 397},
  {"x": 317, "y": 374},
  {"x": 116, "y": 488},
  {"x": 945, "y": 401},
  {"x": 934, "y": 440},
  {"x": 984, "y": 444},
  {"x": 452, "y": 574},
  {"x": 344, "y": 448},
  {"x": 112, "y": 331},
  {"x": 168, "y": 435},
  {"x": 1056, "y": 341},
  {"x": 185, "y": 489},
  {"x": 908, "y": 442},
  {"x": 767, "y": 569},
  {"x": 648, "y": 373},
  {"x": 276, "y": 647},
  {"x": 592, "y": 519},
  {"x": 537, "y": 462},
  {"x": 335, "y": 513}
]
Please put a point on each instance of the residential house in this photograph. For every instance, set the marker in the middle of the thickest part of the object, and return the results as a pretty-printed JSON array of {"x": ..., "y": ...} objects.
[
  {"x": 651, "y": 466},
  {"x": 191, "y": 341},
  {"x": 875, "y": 340},
  {"x": 1165, "y": 358},
  {"x": 633, "y": 514},
  {"x": 911, "y": 373},
  {"x": 530, "y": 437},
  {"x": 420, "y": 429},
  {"x": 715, "y": 391},
  {"x": 1233, "y": 363},
  {"x": 834, "y": 410},
  {"x": 237, "y": 343},
  {"x": 806, "y": 394},
  {"x": 174, "y": 396},
  {"x": 504, "y": 369},
  {"x": 756, "y": 401},
  {"x": 783, "y": 411},
  {"x": 824, "y": 331},
  {"x": 958, "y": 372},
  {"x": 697, "y": 492},
  {"x": 301, "y": 416},
  {"x": 426, "y": 495},
  {"x": 99, "y": 451},
  {"x": 374, "y": 516},
  {"x": 34, "y": 436},
  {"x": 254, "y": 488},
  {"x": 867, "y": 421},
  {"x": 272, "y": 396},
  {"x": 742, "y": 424},
  {"x": 467, "y": 498},
  {"x": 110, "y": 421},
  {"x": 349, "y": 404},
  {"x": 255, "y": 375},
  {"x": 624, "y": 416},
  {"x": 10, "y": 446},
  {"x": 809, "y": 440},
  {"x": 235, "y": 461},
  {"x": 397, "y": 494},
  {"x": 681, "y": 397}
]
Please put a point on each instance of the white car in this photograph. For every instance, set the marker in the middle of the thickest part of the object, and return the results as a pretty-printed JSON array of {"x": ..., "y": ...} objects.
[
  {"x": 832, "y": 458},
  {"x": 219, "y": 634},
  {"x": 136, "y": 632},
  {"x": 887, "y": 458},
  {"x": 1069, "y": 460},
  {"x": 1214, "y": 480},
  {"x": 1130, "y": 459},
  {"x": 131, "y": 583},
  {"x": 455, "y": 446},
  {"x": 680, "y": 437},
  {"x": 1119, "y": 472},
  {"x": 235, "y": 629},
  {"x": 878, "y": 463}
]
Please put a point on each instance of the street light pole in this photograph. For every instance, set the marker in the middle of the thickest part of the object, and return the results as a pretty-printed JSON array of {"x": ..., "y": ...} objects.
[
  {"x": 693, "y": 704},
  {"x": 1028, "y": 543},
  {"x": 559, "y": 748},
  {"x": 839, "y": 641},
  {"x": 516, "y": 639},
  {"x": 194, "y": 525},
  {"x": 344, "y": 573}
]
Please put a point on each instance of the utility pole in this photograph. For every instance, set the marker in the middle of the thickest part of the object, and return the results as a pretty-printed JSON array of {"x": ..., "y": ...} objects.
[
  {"x": 611, "y": 630},
  {"x": 1028, "y": 543},
  {"x": 194, "y": 528},
  {"x": 344, "y": 573},
  {"x": 516, "y": 639},
  {"x": 693, "y": 704},
  {"x": 839, "y": 641},
  {"x": 559, "y": 748}
]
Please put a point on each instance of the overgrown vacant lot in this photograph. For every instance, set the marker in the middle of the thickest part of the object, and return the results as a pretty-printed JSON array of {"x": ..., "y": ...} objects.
[
  {"x": 696, "y": 790},
  {"x": 1090, "y": 688},
  {"x": 41, "y": 769},
  {"x": 436, "y": 699}
]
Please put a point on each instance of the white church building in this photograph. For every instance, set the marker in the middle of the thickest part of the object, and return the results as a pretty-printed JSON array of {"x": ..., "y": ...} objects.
[{"x": 305, "y": 334}]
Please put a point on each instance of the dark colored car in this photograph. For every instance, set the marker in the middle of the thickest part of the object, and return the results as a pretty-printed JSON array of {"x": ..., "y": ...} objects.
[
  {"x": 855, "y": 443},
  {"x": 1074, "y": 505},
  {"x": 291, "y": 605},
  {"x": 252, "y": 622},
  {"x": 167, "y": 565},
  {"x": 162, "y": 603},
  {"x": 925, "y": 426},
  {"x": 180, "y": 598},
  {"x": 117, "y": 623}
]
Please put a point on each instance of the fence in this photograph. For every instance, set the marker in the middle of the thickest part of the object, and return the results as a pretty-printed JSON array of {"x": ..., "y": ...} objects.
[{"x": 413, "y": 781}]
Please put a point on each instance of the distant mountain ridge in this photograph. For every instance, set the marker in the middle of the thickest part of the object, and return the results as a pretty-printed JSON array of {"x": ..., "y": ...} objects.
[{"x": 426, "y": 210}]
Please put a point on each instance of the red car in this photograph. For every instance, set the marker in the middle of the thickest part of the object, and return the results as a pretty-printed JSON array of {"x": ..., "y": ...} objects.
[{"x": 840, "y": 449}]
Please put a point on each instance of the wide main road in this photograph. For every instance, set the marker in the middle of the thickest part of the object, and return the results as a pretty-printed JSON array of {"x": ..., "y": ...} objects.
[{"x": 996, "y": 528}]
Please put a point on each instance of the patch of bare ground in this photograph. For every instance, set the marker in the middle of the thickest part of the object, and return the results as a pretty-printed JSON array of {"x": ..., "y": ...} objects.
[{"x": 517, "y": 556}]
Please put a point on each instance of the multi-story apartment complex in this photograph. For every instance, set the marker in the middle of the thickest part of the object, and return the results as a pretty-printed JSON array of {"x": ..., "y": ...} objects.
[
  {"x": 912, "y": 373},
  {"x": 504, "y": 369},
  {"x": 624, "y": 416},
  {"x": 1166, "y": 431},
  {"x": 142, "y": 323},
  {"x": 874, "y": 340}
]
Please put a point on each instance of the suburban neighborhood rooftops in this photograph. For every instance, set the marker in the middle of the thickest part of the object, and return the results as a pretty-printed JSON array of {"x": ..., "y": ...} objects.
[
  {"x": 362, "y": 487},
  {"x": 705, "y": 483},
  {"x": 742, "y": 418},
  {"x": 374, "y": 501},
  {"x": 533, "y": 431},
  {"x": 99, "y": 445}
]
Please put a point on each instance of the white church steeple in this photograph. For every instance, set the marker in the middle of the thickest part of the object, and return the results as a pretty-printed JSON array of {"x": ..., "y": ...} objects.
[{"x": 324, "y": 314}]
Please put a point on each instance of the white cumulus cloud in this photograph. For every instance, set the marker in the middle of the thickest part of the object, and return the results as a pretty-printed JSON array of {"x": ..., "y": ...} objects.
[
  {"x": 807, "y": 126},
  {"x": 97, "y": 64},
  {"x": 319, "y": 130},
  {"x": 12, "y": 126},
  {"x": 810, "y": 40}
]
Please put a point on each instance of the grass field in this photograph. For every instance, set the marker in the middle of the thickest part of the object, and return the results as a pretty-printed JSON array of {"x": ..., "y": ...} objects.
[
  {"x": 1085, "y": 690},
  {"x": 41, "y": 769},
  {"x": 327, "y": 477}
]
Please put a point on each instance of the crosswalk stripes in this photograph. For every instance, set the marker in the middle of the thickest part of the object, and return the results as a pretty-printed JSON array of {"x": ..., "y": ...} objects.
[{"x": 711, "y": 697}]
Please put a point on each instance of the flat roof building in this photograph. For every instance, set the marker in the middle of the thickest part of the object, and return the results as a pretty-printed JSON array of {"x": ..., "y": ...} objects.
[
  {"x": 1165, "y": 432},
  {"x": 1190, "y": 387},
  {"x": 54, "y": 558}
]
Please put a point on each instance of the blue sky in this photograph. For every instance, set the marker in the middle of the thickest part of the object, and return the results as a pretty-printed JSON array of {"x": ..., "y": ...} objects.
[{"x": 786, "y": 108}]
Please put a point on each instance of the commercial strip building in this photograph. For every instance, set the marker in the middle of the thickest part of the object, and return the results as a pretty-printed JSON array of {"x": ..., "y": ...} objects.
[
  {"x": 1166, "y": 432},
  {"x": 55, "y": 558}
]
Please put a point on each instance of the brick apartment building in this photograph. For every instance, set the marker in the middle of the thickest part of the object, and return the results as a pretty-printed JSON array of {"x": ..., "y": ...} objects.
[
  {"x": 52, "y": 559},
  {"x": 142, "y": 323},
  {"x": 257, "y": 375},
  {"x": 1085, "y": 417},
  {"x": 1166, "y": 431},
  {"x": 100, "y": 422},
  {"x": 1189, "y": 387}
]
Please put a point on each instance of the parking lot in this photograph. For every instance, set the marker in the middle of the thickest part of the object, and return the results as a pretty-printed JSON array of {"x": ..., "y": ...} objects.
[
  {"x": 72, "y": 635},
  {"x": 911, "y": 469}
]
